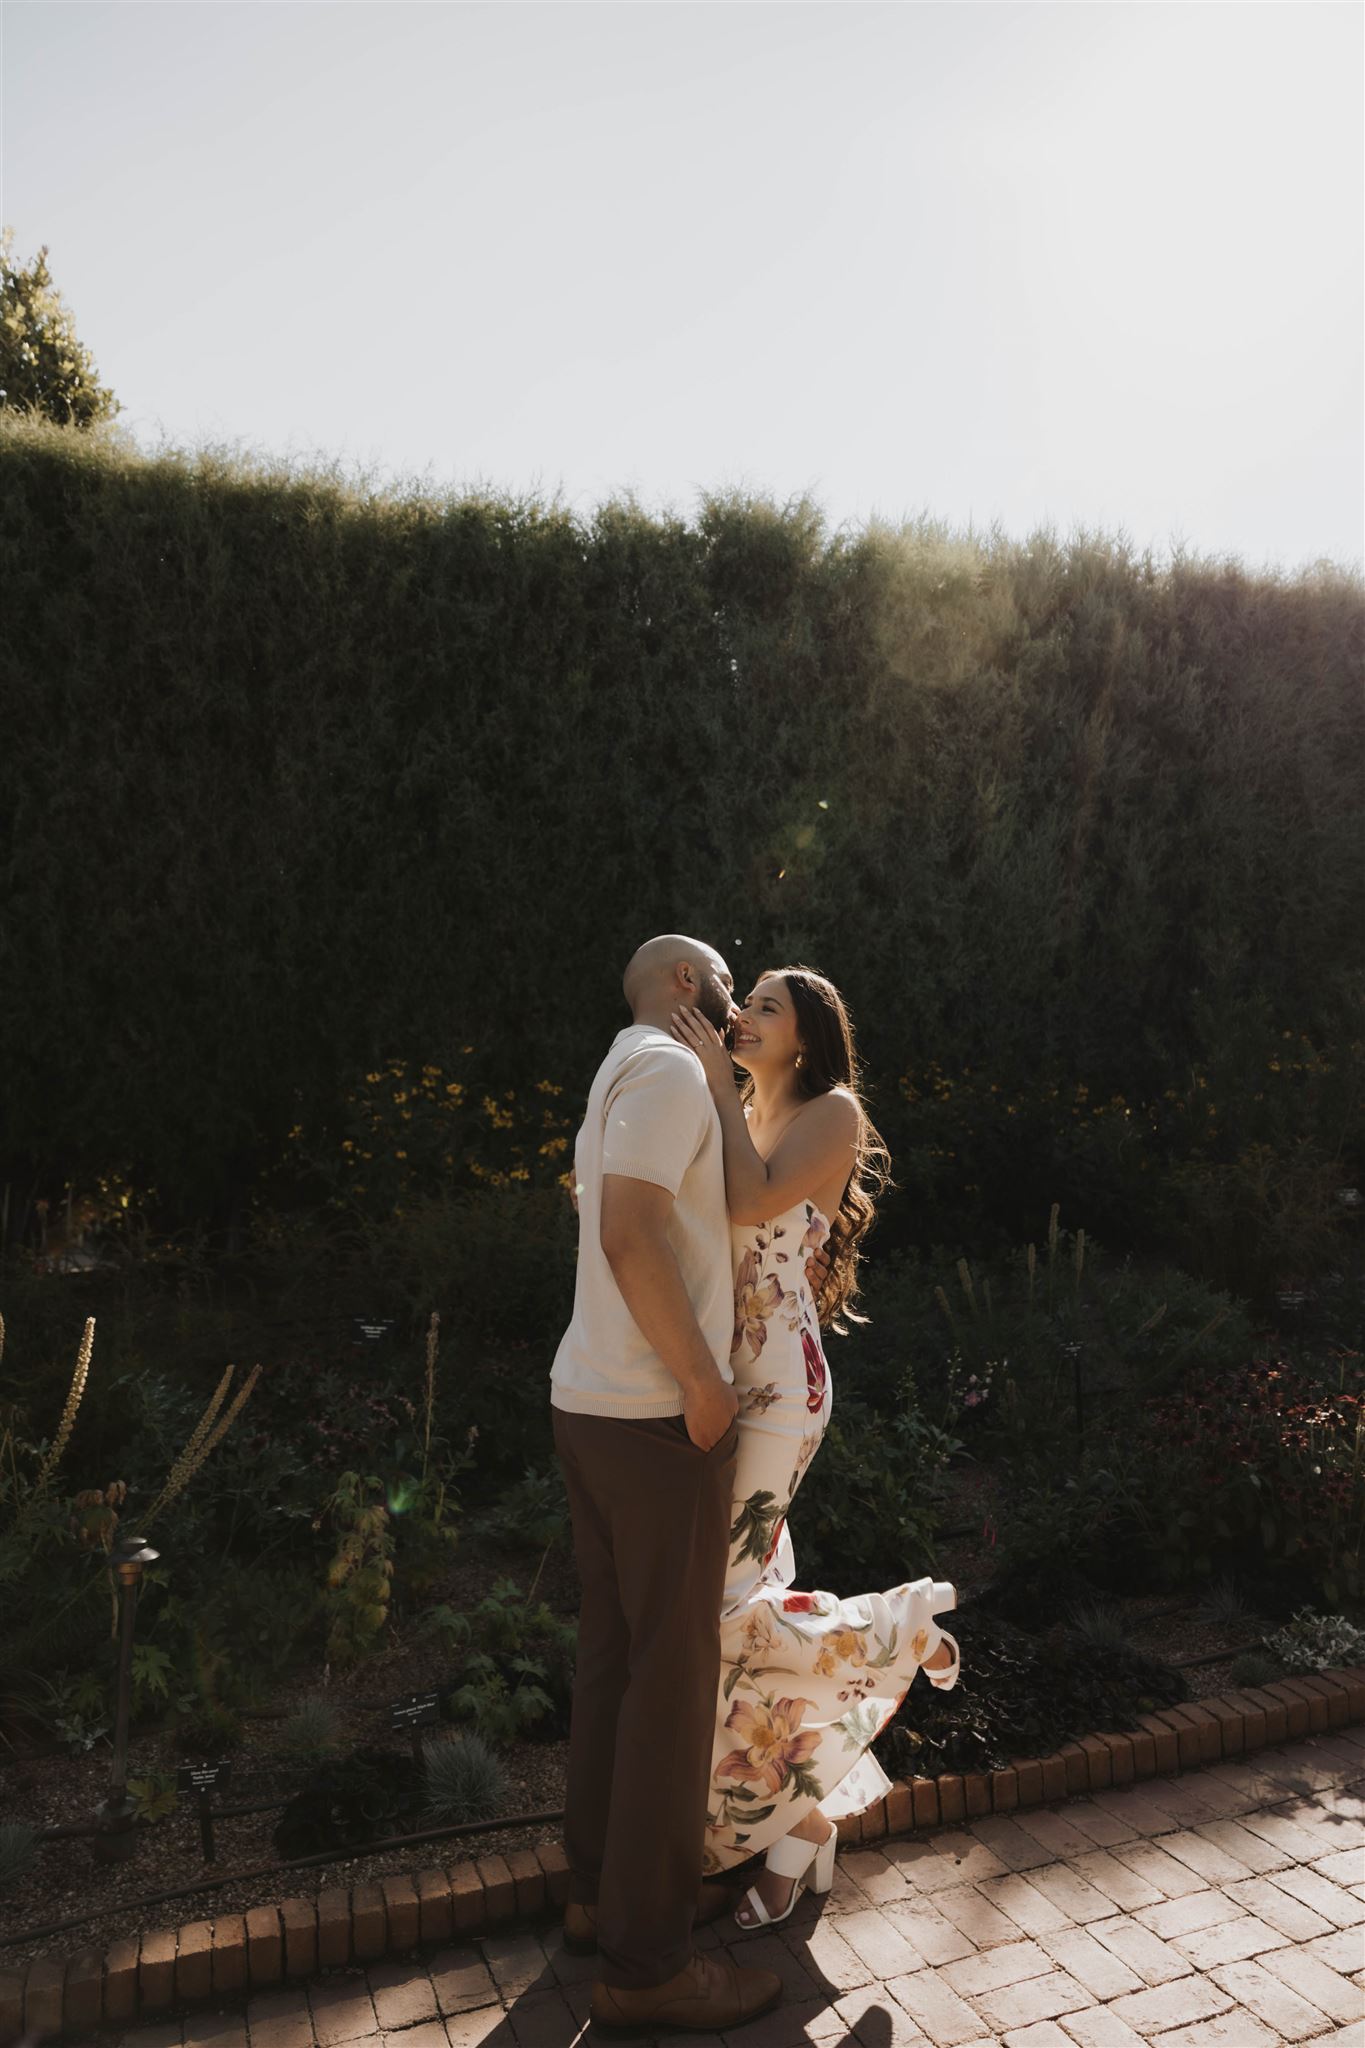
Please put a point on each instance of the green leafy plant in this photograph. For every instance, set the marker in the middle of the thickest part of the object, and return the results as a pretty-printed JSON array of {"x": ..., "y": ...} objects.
[
  {"x": 313, "y": 1731},
  {"x": 1269, "y": 1457},
  {"x": 1317, "y": 1642},
  {"x": 262, "y": 1619},
  {"x": 1099, "y": 1624},
  {"x": 530, "y": 1514},
  {"x": 1254, "y": 1667},
  {"x": 78, "y": 1709},
  {"x": 464, "y": 1779},
  {"x": 1022, "y": 1695},
  {"x": 505, "y": 1699},
  {"x": 154, "y": 1795},
  {"x": 1063, "y": 1533},
  {"x": 361, "y": 1571},
  {"x": 1222, "y": 1604},
  {"x": 152, "y": 1674},
  {"x": 346, "y": 1803},
  {"x": 1169, "y": 1323},
  {"x": 207, "y": 1715},
  {"x": 516, "y": 1669},
  {"x": 869, "y": 1506}
]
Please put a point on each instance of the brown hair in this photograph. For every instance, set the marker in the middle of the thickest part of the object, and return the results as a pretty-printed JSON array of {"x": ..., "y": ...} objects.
[{"x": 829, "y": 1059}]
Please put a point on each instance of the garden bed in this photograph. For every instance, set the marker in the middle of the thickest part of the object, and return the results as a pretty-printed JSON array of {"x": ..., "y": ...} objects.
[
  {"x": 49, "y": 1787},
  {"x": 363, "y": 1917},
  {"x": 1076, "y": 1460},
  {"x": 62, "y": 1790}
]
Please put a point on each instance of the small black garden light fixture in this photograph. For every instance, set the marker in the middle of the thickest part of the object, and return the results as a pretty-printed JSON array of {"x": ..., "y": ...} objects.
[{"x": 115, "y": 1841}]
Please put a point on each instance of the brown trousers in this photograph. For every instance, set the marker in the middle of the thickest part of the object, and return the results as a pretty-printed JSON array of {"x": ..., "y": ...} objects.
[{"x": 651, "y": 1524}]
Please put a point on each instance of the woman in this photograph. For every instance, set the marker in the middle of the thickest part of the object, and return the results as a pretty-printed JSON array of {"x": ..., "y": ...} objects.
[{"x": 808, "y": 1680}]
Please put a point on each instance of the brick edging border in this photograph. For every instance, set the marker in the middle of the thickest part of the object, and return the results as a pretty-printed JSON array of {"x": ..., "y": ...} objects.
[{"x": 142, "y": 1976}]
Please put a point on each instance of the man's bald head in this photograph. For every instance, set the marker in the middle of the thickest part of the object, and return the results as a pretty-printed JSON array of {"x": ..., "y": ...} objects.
[{"x": 674, "y": 969}]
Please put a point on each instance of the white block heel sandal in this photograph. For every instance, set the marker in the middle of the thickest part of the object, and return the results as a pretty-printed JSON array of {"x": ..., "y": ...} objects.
[{"x": 793, "y": 1858}]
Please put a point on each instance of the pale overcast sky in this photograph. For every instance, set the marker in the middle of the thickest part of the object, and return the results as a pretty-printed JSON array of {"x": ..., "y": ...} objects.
[{"x": 1087, "y": 264}]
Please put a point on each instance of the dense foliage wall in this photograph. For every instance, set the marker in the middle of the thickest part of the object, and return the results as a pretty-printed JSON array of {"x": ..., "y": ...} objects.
[{"x": 294, "y": 779}]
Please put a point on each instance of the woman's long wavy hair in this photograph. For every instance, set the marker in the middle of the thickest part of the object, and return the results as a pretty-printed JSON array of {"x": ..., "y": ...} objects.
[{"x": 829, "y": 1059}]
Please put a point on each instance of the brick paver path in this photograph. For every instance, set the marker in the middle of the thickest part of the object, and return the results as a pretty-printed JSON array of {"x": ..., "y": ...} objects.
[{"x": 1221, "y": 1909}]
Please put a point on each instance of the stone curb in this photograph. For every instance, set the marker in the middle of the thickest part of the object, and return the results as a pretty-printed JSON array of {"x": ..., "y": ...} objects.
[{"x": 164, "y": 1971}]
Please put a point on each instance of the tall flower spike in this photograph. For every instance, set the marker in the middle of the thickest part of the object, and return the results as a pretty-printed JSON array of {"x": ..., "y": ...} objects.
[
  {"x": 73, "y": 1402},
  {"x": 433, "y": 1341},
  {"x": 184, "y": 1464},
  {"x": 203, "y": 1440}
]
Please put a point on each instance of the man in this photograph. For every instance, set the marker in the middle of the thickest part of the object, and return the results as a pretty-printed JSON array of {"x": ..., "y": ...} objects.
[{"x": 645, "y": 1427}]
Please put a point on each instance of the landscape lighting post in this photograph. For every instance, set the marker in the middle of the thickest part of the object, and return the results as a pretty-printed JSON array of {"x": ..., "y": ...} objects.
[{"x": 127, "y": 1559}]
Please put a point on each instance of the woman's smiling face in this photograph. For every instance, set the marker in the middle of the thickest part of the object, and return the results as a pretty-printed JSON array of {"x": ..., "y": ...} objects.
[{"x": 766, "y": 1033}]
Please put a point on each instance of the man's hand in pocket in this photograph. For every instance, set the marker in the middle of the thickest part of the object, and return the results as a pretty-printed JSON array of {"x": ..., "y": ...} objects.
[{"x": 708, "y": 1412}]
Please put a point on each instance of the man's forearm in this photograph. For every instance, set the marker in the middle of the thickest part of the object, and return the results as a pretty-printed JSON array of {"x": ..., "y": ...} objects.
[{"x": 651, "y": 1285}]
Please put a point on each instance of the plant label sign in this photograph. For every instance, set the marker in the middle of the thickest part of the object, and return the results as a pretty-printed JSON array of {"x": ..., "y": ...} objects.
[
  {"x": 371, "y": 1329},
  {"x": 414, "y": 1713},
  {"x": 419, "y": 1710},
  {"x": 201, "y": 1779}
]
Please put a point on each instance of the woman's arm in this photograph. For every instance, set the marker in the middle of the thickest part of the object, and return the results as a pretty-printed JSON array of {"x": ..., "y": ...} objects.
[{"x": 819, "y": 1146}]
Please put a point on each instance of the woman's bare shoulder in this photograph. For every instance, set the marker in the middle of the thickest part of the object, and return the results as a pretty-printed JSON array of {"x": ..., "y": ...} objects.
[{"x": 838, "y": 1108}]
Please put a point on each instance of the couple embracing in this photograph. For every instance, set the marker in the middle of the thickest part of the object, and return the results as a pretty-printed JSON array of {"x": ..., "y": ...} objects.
[{"x": 718, "y": 1713}]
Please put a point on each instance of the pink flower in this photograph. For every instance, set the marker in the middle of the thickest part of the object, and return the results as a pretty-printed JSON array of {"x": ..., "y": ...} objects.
[{"x": 815, "y": 1372}]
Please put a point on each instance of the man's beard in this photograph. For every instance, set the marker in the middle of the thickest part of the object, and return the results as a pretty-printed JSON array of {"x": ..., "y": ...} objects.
[{"x": 716, "y": 1009}]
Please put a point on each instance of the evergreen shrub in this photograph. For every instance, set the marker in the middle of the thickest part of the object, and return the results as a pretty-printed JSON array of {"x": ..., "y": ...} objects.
[{"x": 299, "y": 781}]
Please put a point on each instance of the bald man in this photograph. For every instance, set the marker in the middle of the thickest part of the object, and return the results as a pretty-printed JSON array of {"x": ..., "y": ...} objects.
[{"x": 644, "y": 1424}]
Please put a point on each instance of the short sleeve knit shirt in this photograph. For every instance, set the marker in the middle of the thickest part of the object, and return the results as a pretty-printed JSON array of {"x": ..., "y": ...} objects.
[{"x": 650, "y": 1117}]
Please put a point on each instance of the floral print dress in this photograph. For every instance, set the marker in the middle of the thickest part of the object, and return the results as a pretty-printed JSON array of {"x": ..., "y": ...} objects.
[{"x": 807, "y": 1679}]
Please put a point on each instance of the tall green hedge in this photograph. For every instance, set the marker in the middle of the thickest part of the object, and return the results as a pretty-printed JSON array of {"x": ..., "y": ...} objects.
[{"x": 294, "y": 778}]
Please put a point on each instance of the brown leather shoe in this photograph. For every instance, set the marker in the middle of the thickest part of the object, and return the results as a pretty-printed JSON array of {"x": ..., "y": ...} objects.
[
  {"x": 710, "y": 1996},
  {"x": 580, "y": 1922}
]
